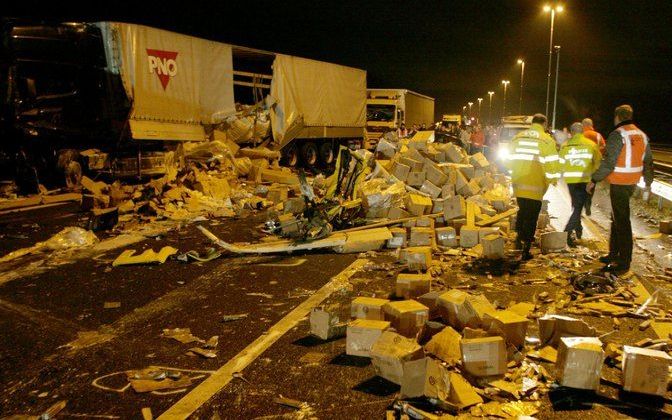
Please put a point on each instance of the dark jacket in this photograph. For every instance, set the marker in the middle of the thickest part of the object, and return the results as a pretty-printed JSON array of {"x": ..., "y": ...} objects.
[{"x": 613, "y": 150}]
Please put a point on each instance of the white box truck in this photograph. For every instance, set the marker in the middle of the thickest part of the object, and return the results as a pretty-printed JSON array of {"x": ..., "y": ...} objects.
[
  {"x": 387, "y": 109},
  {"x": 133, "y": 92}
]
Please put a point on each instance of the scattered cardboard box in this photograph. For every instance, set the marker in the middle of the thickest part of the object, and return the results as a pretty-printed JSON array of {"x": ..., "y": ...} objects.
[
  {"x": 398, "y": 239},
  {"x": 446, "y": 346},
  {"x": 325, "y": 325},
  {"x": 415, "y": 179},
  {"x": 417, "y": 204},
  {"x": 510, "y": 325},
  {"x": 579, "y": 363},
  {"x": 417, "y": 258},
  {"x": 430, "y": 300},
  {"x": 446, "y": 236},
  {"x": 368, "y": 308},
  {"x": 390, "y": 352},
  {"x": 645, "y": 371},
  {"x": 451, "y": 307},
  {"x": 553, "y": 241},
  {"x": 484, "y": 356},
  {"x": 421, "y": 236},
  {"x": 493, "y": 247},
  {"x": 362, "y": 334},
  {"x": 400, "y": 171},
  {"x": 410, "y": 286},
  {"x": 553, "y": 327},
  {"x": 468, "y": 236},
  {"x": 406, "y": 316}
]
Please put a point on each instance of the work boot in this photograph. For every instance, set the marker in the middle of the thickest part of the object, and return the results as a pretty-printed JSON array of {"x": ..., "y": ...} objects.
[
  {"x": 571, "y": 240},
  {"x": 587, "y": 205},
  {"x": 518, "y": 245},
  {"x": 526, "y": 255},
  {"x": 606, "y": 259},
  {"x": 616, "y": 268},
  {"x": 579, "y": 233}
]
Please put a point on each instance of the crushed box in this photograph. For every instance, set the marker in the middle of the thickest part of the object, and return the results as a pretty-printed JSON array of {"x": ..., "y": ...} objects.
[
  {"x": 418, "y": 205},
  {"x": 430, "y": 189},
  {"x": 390, "y": 352},
  {"x": 446, "y": 345},
  {"x": 362, "y": 334}
]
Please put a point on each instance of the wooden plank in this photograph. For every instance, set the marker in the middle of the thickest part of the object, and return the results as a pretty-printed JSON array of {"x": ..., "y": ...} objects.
[
  {"x": 497, "y": 218},
  {"x": 471, "y": 214}
]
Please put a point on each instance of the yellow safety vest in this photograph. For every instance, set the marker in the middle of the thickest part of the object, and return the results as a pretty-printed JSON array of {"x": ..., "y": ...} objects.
[
  {"x": 579, "y": 158},
  {"x": 533, "y": 163}
]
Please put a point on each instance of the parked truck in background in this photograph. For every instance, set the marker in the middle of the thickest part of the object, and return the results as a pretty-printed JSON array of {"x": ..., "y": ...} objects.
[
  {"x": 387, "y": 109},
  {"x": 129, "y": 94}
]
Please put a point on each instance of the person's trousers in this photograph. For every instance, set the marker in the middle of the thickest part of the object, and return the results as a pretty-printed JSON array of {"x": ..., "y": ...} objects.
[
  {"x": 526, "y": 221},
  {"x": 620, "y": 237},
  {"x": 579, "y": 196}
]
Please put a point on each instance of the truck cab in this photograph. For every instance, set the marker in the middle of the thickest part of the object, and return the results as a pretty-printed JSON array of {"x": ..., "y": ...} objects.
[{"x": 508, "y": 129}]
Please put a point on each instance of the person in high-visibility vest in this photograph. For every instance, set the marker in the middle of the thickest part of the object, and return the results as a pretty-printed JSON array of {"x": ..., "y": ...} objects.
[
  {"x": 627, "y": 158},
  {"x": 579, "y": 158},
  {"x": 533, "y": 163},
  {"x": 590, "y": 133}
]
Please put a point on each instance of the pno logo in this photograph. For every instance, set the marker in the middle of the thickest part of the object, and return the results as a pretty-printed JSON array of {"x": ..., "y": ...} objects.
[{"x": 163, "y": 63}]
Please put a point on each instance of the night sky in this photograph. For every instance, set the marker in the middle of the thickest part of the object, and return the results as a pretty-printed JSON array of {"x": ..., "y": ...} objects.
[{"x": 613, "y": 52}]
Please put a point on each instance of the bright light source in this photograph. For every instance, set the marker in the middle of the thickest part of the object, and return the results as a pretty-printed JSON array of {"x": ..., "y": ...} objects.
[
  {"x": 547, "y": 8},
  {"x": 491, "y": 93},
  {"x": 520, "y": 61},
  {"x": 503, "y": 152},
  {"x": 559, "y": 8}
]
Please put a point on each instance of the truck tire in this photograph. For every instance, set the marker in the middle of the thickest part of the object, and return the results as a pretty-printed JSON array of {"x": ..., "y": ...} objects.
[
  {"x": 327, "y": 154},
  {"x": 73, "y": 175},
  {"x": 309, "y": 154},
  {"x": 290, "y": 156}
]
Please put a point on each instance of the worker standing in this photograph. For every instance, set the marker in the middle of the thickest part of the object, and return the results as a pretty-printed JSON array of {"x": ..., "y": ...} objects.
[
  {"x": 533, "y": 162},
  {"x": 476, "y": 140},
  {"x": 627, "y": 158},
  {"x": 579, "y": 158},
  {"x": 590, "y": 133}
]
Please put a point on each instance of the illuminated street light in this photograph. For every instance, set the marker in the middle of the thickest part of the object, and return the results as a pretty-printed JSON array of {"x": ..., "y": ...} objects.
[
  {"x": 522, "y": 75},
  {"x": 553, "y": 10},
  {"x": 557, "y": 74},
  {"x": 490, "y": 93},
  {"x": 470, "y": 104},
  {"x": 479, "y": 109},
  {"x": 506, "y": 84}
]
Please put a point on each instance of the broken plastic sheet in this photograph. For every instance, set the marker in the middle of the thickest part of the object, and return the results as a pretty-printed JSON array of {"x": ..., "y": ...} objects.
[
  {"x": 377, "y": 193},
  {"x": 68, "y": 238}
]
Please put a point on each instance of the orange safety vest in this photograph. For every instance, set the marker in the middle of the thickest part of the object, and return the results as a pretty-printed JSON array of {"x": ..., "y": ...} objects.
[
  {"x": 596, "y": 138},
  {"x": 630, "y": 162}
]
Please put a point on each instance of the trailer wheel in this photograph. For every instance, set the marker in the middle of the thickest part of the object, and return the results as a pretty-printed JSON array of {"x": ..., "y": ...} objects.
[
  {"x": 326, "y": 153},
  {"x": 73, "y": 175},
  {"x": 309, "y": 154},
  {"x": 290, "y": 157}
]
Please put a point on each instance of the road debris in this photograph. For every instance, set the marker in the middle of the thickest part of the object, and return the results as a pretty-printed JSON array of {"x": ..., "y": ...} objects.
[
  {"x": 148, "y": 256},
  {"x": 236, "y": 317}
]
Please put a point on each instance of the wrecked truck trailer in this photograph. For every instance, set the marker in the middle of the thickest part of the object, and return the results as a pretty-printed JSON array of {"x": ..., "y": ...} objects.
[{"x": 128, "y": 94}]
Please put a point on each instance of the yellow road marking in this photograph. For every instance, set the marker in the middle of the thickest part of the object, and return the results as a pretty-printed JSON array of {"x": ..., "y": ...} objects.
[{"x": 218, "y": 380}]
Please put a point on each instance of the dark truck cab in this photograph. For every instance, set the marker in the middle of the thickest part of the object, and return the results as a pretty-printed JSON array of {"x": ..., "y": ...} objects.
[{"x": 57, "y": 99}]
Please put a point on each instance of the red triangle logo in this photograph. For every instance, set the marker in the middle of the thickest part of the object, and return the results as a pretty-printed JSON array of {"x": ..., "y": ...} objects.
[{"x": 163, "y": 63}]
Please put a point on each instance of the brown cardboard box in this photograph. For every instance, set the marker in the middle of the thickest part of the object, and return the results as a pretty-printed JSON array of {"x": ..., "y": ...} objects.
[
  {"x": 460, "y": 181},
  {"x": 484, "y": 356},
  {"x": 448, "y": 190},
  {"x": 470, "y": 189},
  {"x": 368, "y": 308},
  {"x": 424, "y": 222},
  {"x": 418, "y": 205},
  {"x": 493, "y": 247},
  {"x": 478, "y": 160},
  {"x": 645, "y": 371},
  {"x": 469, "y": 236},
  {"x": 451, "y": 307},
  {"x": 579, "y": 362},
  {"x": 466, "y": 169},
  {"x": 475, "y": 309},
  {"x": 362, "y": 334},
  {"x": 390, "y": 352},
  {"x": 446, "y": 346},
  {"x": 454, "y": 207},
  {"x": 430, "y": 189},
  {"x": 400, "y": 171},
  {"x": 435, "y": 175},
  {"x": 553, "y": 327},
  {"x": 398, "y": 239},
  {"x": 458, "y": 223},
  {"x": 326, "y": 325},
  {"x": 377, "y": 213},
  {"x": 425, "y": 377},
  {"x": 410, "y": 286},
  {"x": 430, "y": 300},
  {"x": 553, "y": 241},
  {"x": 510, "y": 325},
  {"x": 437, "y": 205},
  {"x": 417, "y": 258},
  {"x": 415, "y": 165},
  {"x": 485, "y": 231},
  {"x": 421, "y": 236},
  {"x": 462, "y": 393},
  {"x": 446, "y": 236},
  {"x": 278, "y": 194},
  {"x": 396, "y": 213},
  {"x": 665, "y": 226},
  {"x": 454, "y": 153},
  {"x": 406, "y": 316},
  {"x": 415, "y": 179}
]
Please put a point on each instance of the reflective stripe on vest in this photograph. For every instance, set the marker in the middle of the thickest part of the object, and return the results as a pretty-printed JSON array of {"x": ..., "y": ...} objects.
[{"x": 629, "y": 164}]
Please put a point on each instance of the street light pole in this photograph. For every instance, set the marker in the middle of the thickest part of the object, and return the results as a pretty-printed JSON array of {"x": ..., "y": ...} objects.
[
  {"x": 522, "y": 76},
  {"x": 490, "y": 108},
  {"x": 553, "y": 10},
  {"x": 470, "y": 104},
  {"x": 506, "y": 84},
  {"x": 479, "y": 109},
  {"x": 557, "y": 72}
]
